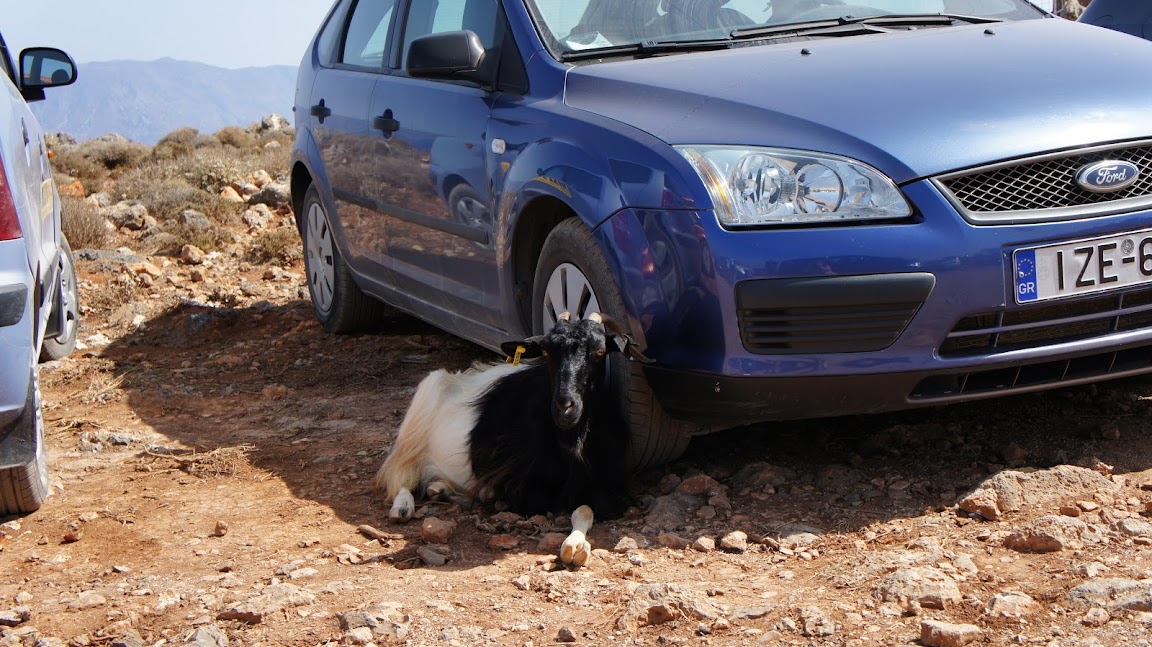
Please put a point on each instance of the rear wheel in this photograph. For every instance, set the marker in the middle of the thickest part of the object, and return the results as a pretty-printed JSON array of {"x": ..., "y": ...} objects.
[
  {"x": 63, "y": 344},
  {"x": 339, "y": 304},
  {"x": 24, "y": 487},
  {"x": 572, "y": 276}
]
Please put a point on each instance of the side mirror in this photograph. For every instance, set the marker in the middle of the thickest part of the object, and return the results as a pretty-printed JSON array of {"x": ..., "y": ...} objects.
[
  {"x": 44, "y": 67},
  {"x": 452, "y": 55}
]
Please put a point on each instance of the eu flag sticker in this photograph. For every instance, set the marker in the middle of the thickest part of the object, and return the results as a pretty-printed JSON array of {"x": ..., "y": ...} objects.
[{"x": 1026, "y": 287}]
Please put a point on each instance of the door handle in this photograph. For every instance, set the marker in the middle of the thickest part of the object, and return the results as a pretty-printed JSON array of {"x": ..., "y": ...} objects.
[
  {"x": 320, "y": 111},
  {"x": 386, "y": 123}
]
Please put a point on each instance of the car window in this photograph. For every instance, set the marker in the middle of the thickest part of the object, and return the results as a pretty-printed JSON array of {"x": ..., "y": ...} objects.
[
  {"x": 433, "y": 17},
  {"x": 574, "y": 25},
  {"x": 366, "y": 39}
]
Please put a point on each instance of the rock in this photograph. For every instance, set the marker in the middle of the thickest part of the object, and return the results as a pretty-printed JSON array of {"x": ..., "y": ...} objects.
[
  {"x": 273, "y": 599},
  {"x": 671, "y": 540},
  {"x": 1010, "y": 490},
  {"x": 1051, "y": 534},
  {"x": 273, "y": 123},
  {"x": 381, "y": 620},
  {"x": 191, "y": 255},
  {"x": 758, "y": 476},
  {"x": 734, "y": 542},
  {"x": 565, "y": 635},
  {"x": 815, "y": 623},
  {"x": 1133, "y": 527},
  {"x": 14, "y": 617},
  {"x": 700, "y": 485},
  {"x": 928, "y": 586},
  {"x": 431, "y": 557},
  {"x": 129, "y": 215},
  {"x": 221, "y": 529},
  {"x": 194, "y": 220},
  {"x": 273, "y": 194},
  {"x": 207, "y": 636},
  {"x": 1114, "y": 593},
  {"x": 358, "y": 636},
  {"x": 130, "y": 638},
  {"x": 437, "y": 531},
  {"x": 1095, "y": 617},
  {"x": 654, "y": 604},
  {"x": 796, "y": 535},
  {"x": 934, "y": 633},
  {"x": 229, "y": 194},
  {"x": 261, "y": 178},
  {"x": 704, "y": 544},
  {"x": 1012, "y": 604},
  {"x": 625, "y": 544},
  {"x": 258, "y": 216},
  {"x": 504, "y": 542},
  {"x": 550, "y": 542},
  {"x": 272, "y": 392},
  {"x": 87, "y": 600},
  {"x": 671, "y": 511}
]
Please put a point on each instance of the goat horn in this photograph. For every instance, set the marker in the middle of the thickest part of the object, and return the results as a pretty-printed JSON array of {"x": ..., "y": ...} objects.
[
  {"x": 564, "y": 316},
  {"x": 595, "y": 316}
]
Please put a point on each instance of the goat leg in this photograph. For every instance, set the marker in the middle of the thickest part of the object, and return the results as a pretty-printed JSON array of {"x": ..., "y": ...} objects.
[{"x": 576, "y": 549}]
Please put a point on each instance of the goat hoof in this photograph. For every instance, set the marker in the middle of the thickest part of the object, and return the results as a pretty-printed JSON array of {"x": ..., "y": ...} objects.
[
  {"x": 575, "y": 551},
  {"x": 402, "y": 507}
]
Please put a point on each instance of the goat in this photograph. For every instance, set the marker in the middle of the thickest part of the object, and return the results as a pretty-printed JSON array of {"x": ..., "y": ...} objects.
[{"x": 542, "y": 437}]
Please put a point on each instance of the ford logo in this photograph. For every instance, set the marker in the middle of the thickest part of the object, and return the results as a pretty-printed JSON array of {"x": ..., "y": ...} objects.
[{"x": 1108, "y": 176}]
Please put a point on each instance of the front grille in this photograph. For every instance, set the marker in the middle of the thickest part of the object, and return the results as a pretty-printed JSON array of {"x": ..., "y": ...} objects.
[
  {"x": 1044, "y": 188},
  {"x": 1034, "y": 377},
  {"x": 848, "y": 314},
  {"x": 1045, "y": 325}
]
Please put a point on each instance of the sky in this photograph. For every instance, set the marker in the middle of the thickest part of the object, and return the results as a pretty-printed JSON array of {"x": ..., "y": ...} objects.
[{"x": 224, "y": 33}]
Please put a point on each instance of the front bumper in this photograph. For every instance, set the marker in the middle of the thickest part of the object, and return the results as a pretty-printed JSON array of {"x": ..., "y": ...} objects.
[{"x": 685, "y": 282}]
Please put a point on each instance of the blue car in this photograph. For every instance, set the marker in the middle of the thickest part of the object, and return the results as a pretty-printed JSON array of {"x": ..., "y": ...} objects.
[
  {"x": 1129, "y": 16},
  {"x": 798, "y": 208}
]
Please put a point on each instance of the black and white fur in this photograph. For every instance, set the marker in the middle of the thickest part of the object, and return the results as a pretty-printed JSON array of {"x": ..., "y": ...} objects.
[{"x": 542, "y": 437}]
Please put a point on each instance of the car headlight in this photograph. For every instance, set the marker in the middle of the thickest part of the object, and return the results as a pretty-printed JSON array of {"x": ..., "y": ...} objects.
[{"x": 769, "y": 186}]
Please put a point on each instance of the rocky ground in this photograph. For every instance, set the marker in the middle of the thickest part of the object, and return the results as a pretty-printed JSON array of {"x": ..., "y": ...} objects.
[{"x": 211, "y": 449}]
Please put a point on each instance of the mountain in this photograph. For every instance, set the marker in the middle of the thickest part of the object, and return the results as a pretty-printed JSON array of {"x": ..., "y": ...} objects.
[{"x": 144, "y": 101}]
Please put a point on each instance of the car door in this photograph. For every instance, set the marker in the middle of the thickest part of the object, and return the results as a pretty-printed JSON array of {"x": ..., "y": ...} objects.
[
  {"x": 440, "y": 234},
  {"x": 339, "y": 110}
]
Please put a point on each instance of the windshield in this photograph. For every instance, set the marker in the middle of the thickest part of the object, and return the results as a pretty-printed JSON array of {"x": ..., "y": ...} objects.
[{"x": 576, "y": 25}]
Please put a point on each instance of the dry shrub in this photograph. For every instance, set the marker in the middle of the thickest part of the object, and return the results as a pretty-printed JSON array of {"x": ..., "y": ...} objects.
[
  {"x": 280, "y": 244},
  {"x": 236, "y": 137},
  {"x": 95, "y": 159},
  {"x": 182, "y": 142},
  {"x": 82, "y": 224}
]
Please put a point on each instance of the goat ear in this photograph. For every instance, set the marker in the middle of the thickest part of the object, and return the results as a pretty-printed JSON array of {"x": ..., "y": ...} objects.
[
  {"x": 618, "y": 341},
  {"x": 531, "y": 348}
]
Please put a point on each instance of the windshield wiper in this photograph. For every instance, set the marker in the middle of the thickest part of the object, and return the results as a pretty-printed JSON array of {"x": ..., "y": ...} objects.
[
  {"x": 645, "y": 48},
  {"x": 835, "y": 26}
]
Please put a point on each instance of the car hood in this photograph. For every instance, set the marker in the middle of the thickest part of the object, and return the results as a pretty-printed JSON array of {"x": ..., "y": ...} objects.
[{"x": 912, "y": 104}]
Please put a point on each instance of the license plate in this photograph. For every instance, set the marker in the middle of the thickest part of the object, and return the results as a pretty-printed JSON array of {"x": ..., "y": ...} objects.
[{"x": 1082, "y": 266}]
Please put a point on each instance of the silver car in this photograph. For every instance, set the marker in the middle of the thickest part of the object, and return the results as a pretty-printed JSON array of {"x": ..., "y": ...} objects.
[{"x": 38, "y": 294}]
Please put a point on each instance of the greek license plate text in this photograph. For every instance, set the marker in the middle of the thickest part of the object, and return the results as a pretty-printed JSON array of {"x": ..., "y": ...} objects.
[{"x": 1082, "y": 267}]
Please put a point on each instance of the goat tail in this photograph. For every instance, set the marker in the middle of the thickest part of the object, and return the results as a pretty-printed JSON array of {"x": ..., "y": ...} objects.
[{"x": 404, "y": 467}]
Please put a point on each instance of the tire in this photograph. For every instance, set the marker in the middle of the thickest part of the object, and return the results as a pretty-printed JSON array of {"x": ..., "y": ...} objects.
[
  {"x": 572, "y": 275},
  {"x": 63, "y": 344},
  {"x": 23, "y": 488},
  {"x": 340, "y": 305}
]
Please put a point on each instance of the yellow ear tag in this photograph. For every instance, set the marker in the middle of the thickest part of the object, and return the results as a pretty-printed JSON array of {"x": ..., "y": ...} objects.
[{"x": 515, "y": 359}]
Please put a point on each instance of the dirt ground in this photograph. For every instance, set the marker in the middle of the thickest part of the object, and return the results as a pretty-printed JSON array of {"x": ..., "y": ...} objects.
[{"x": 211, "y": 451}]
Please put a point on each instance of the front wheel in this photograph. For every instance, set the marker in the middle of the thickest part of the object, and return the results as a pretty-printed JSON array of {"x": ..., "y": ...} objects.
[
  {"x": 23, "y": 487},
  {"x": 572, "y": 276},
  {"x": 339, "y": 304}
]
